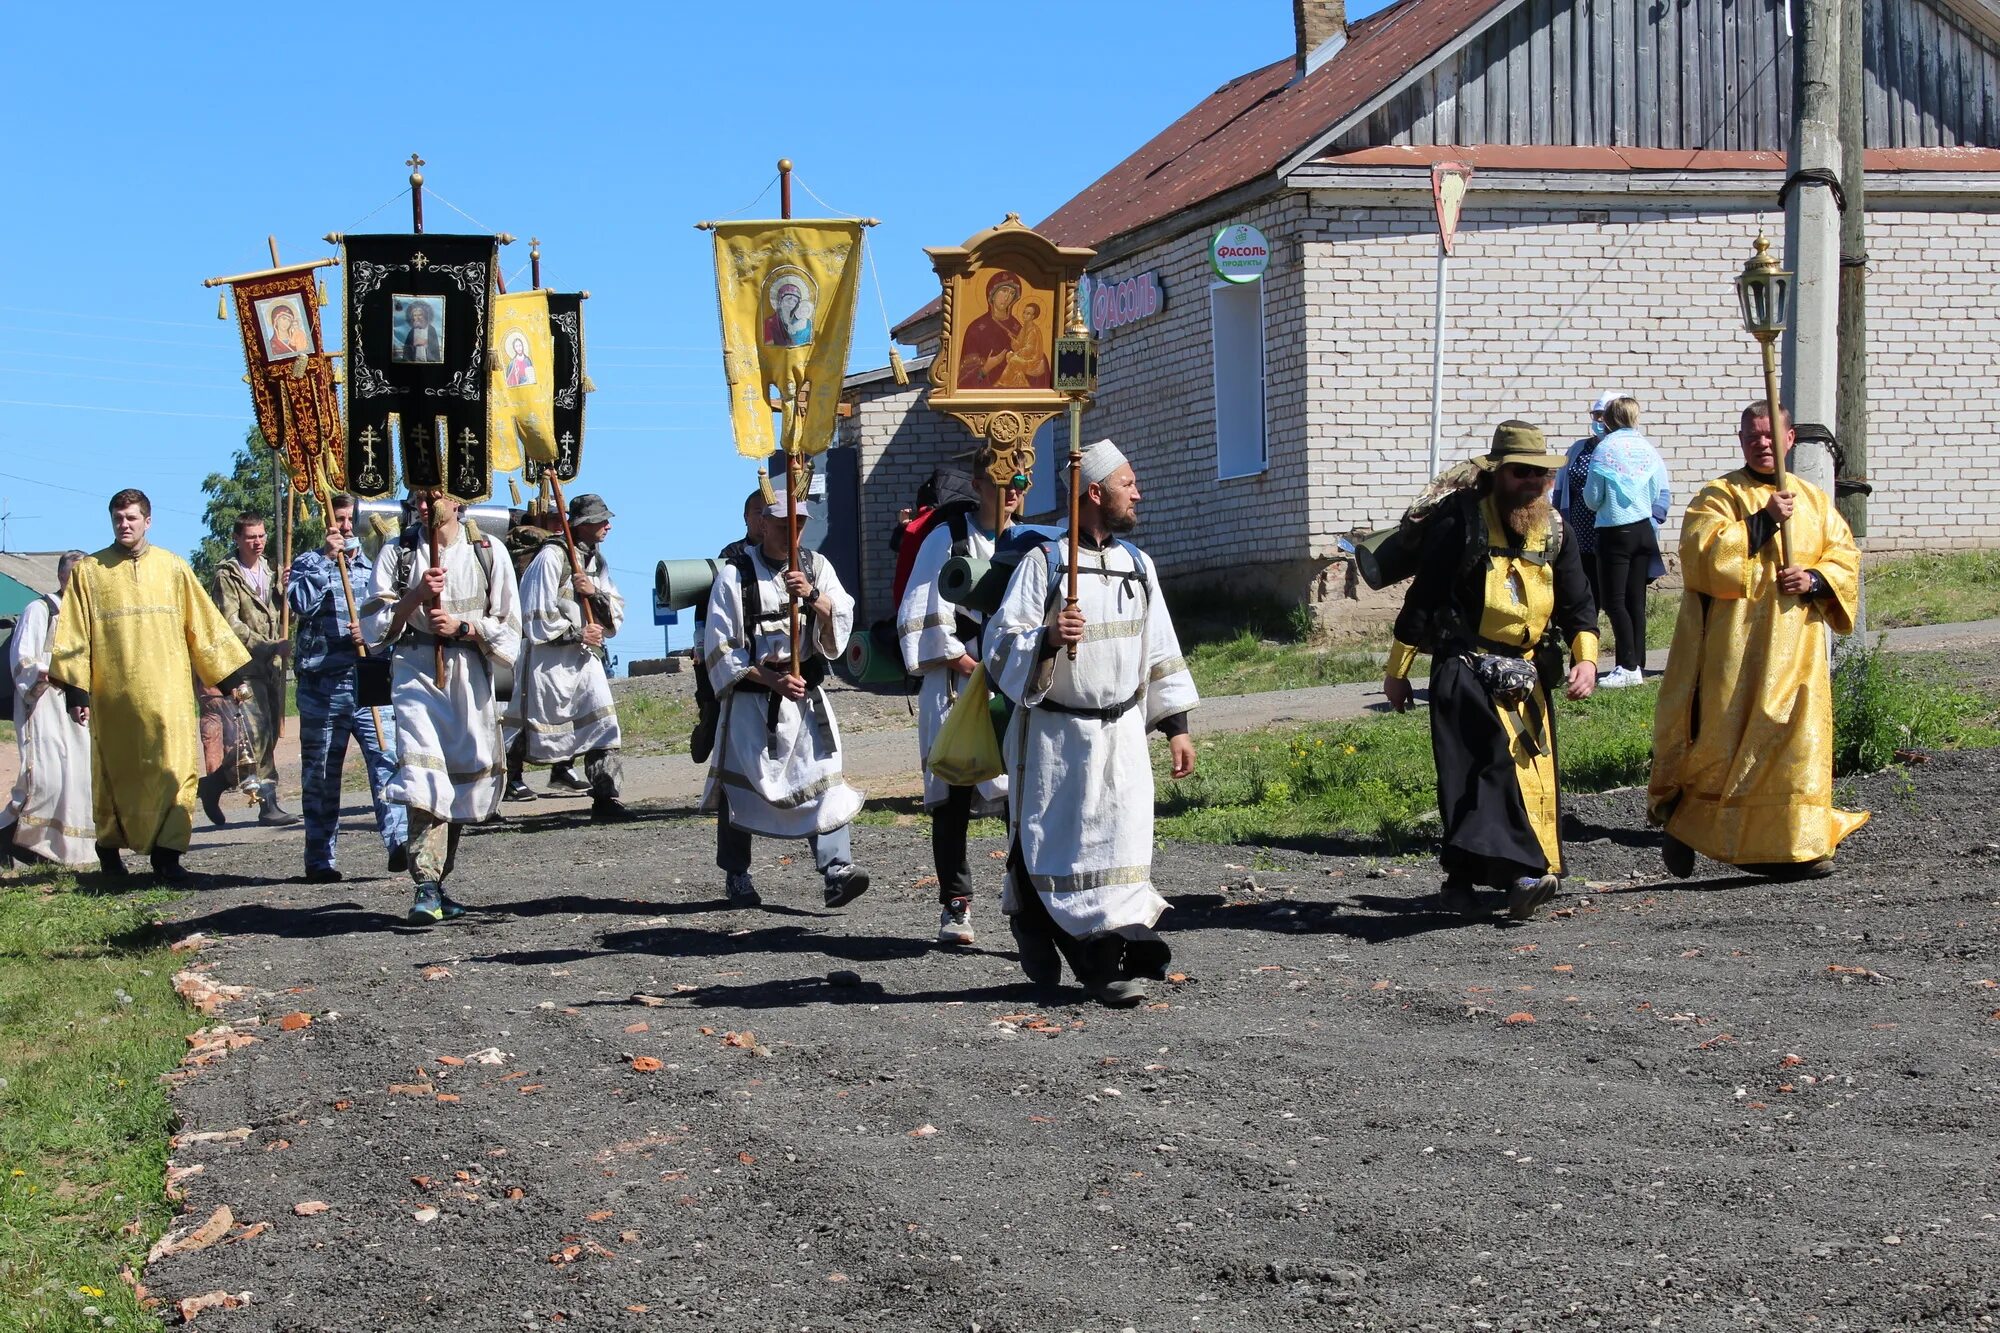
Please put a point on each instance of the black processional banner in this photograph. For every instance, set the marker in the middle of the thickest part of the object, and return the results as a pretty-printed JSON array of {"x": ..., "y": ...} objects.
[
  {"x": 566, "y": 328},
  {"x": 418, "y": 307}
]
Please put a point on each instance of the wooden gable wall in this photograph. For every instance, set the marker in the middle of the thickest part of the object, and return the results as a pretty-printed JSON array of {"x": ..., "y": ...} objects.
[{"x": 1711, "y": 74}]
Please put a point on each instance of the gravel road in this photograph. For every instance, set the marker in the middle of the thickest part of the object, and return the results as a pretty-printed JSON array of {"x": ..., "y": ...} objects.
[{"x": 1719, "y": 1104}]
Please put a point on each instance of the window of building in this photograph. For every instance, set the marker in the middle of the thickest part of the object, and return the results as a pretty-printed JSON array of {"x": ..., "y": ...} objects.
[{"x": 1236, "y": 329}]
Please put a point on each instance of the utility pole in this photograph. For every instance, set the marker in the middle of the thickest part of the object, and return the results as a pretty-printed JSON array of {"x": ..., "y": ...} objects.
[
  {"x": 1853, "y": 340},
  {"x": 1812, "y": 236}
]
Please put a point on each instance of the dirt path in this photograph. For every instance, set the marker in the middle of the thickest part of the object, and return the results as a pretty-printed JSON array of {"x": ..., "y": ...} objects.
[{"x": 1737, "y": 1105}]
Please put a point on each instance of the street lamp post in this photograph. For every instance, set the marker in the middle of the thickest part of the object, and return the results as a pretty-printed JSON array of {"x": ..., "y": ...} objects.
[{"x": 1765, "y": 291}]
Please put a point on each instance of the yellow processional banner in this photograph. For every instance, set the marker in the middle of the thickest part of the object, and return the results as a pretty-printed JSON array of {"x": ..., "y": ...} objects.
[
  {"x": 787, "y": 293},
  {"x": 524, "y": 389}
]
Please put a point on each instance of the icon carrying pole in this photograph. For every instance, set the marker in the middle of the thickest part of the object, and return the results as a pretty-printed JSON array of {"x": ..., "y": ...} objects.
[
  {"x": 1437, "y": 360},
  {"x": 354, "y": 618},
  {"x": 1770, "y": 345},
  {"x": 787, "y": 440},
  {"x": 1075, "y": 505},
  {"x": 569, "y": 544}
]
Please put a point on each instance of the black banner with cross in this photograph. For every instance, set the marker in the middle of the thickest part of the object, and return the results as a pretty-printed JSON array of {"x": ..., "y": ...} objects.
[
  {"x": 418, "y": 308},
  {"x": 566, "y": 329}
]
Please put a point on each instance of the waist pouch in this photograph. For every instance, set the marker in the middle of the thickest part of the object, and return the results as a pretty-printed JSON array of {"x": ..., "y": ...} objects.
[{"x": 1506, "y": 680}]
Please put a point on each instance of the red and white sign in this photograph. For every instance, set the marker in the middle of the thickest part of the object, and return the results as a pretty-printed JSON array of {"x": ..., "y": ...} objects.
[{"x": 1449, "y": 182}]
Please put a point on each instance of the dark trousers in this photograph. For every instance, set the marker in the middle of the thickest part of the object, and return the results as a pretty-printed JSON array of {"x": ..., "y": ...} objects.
[
  {"x": 1624, "y": 557},
  {"x": 1098, "y": 959},
  {"x": 948, "y": 850}
]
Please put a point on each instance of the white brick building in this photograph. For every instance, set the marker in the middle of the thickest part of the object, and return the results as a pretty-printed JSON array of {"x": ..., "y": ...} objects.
[{"x": 1626, "y": 155}]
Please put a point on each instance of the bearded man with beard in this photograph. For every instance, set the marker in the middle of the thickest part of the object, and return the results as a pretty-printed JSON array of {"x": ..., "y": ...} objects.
[{"x": 1498, "y": 593}]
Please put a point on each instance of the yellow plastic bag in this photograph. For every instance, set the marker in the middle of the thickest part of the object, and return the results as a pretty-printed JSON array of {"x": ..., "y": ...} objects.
[{"x": 966, "y": 752}]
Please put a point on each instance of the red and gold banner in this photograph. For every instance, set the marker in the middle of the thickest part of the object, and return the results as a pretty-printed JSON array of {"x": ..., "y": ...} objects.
[{"x": 291, "y": 377}]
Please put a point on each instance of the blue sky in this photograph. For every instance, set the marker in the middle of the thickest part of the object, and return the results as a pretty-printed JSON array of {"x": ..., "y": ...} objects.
[{"x": 153, "y": 146}]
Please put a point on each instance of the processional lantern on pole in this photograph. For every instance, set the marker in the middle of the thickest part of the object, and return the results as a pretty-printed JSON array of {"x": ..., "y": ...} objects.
[
  {"x": 1764, "y": 291},
  {"x": 1076, "y": 379}
]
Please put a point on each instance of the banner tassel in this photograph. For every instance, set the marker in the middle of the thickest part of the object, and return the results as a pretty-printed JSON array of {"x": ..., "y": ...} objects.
[
  {"x": 221, "y": 307},
  {"x": 897, "y": 368}
]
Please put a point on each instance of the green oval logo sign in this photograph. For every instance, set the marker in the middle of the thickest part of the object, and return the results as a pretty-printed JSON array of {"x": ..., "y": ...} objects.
[{"x": 1239, "y": 253}]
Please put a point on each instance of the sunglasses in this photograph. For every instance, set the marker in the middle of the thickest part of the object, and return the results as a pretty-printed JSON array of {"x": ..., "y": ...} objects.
[{"x": 1524, "y": 471}]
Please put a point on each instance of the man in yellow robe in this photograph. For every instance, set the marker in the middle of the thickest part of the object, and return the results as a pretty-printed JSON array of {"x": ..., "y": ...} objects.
[
  {"x": 1499, "y": 593},
  {"x": 136, "y": 625},
  {"x": 1743, "y": 733}
]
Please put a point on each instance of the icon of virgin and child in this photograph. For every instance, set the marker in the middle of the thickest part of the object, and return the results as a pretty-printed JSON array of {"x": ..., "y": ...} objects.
[
  {"x": 789, "y": 295},
  {"x": 1002, "y": 349}
]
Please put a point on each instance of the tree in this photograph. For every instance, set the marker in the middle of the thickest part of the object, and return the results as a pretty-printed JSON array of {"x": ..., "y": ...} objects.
[{"x": 249, "y": 489}]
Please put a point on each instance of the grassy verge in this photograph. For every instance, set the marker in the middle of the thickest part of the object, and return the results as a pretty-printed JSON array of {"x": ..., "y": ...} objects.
[
  {"x": 88, "y": 1023},
  {"x": 1369, "y": 785},
  {"x": 1275, "y": 652},
  {"x": 655, "y": 723}
]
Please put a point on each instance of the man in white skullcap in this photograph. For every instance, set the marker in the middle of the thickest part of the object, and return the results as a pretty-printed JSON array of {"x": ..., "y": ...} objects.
[
  {"x": 1079, "y": 872},
  {"x": 776, "y": 766}
]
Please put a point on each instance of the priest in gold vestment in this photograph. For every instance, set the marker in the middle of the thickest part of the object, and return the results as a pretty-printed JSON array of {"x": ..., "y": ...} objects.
[
  {"x": 136, "y": 625},
  {"x": 1743, "y": 733}
]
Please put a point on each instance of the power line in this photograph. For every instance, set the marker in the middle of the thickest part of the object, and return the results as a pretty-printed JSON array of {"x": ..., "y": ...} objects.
[
  {"x": 126, "y": 411},
  {"x": 95, "y": 495},
  {"x": 113, "y": 337},
  {"x": 117, "y": 319},
  {"x": 110, "y": 379},
  {"x": 104, "y": 360}
]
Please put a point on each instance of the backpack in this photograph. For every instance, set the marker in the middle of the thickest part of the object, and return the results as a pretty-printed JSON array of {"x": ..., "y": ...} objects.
[
  {"x": 7, "y": 659},
  {"x": 1444, "y": 623},
  {"x": 406, "y": 560},
  {"x": 948, "y": 496},
  {"x": 708, "y": 708},
  {"x": 524, "y": 542}
]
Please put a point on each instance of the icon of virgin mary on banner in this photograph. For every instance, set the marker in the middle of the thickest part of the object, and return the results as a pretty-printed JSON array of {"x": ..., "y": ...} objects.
[
  {"x": 291, "y": 379},
  {"x": 1007, "y": 347},
  {"x": 787, "y": 295}
]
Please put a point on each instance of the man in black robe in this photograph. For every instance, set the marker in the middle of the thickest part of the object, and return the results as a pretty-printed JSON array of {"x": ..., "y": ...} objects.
[{"x": 1499, "y": 590}]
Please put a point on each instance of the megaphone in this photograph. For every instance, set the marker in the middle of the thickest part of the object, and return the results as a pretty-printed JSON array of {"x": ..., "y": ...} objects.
[{"x": 679, "y": 584}]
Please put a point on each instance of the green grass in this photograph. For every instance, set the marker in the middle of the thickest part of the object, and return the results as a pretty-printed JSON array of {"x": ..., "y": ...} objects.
[
  {"x": 84, "y": 1118},
  {"x": 1939, "y": 589},
  {"x": 655, "y": 723},
  {"x": 1247, "y": 664},
  {"x": 1368, "y": 785}
]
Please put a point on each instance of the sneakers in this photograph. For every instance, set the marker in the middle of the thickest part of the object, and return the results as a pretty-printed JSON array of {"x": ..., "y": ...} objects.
[
  {"x": 844, "y": 884},
  {"x": 1528, "y": 894},
  {"x": 323, "y": 875},
  {"x": 564, "y": 779},
  {"x": 399, "y": 860},
  {"x": 1458, "y": 897},
  {"x": 432, "y": 905},
  {"x": 1678, "y": 856},
  {"x": 955, "y": 922},
  {"x": 1621, "y": 678},
  {"x": 518, "y": 790},
  {"x": 742, "y": 891}
]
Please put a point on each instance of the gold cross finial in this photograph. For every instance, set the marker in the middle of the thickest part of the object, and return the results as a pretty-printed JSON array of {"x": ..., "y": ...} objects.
[{"x": 414, "y": 163}]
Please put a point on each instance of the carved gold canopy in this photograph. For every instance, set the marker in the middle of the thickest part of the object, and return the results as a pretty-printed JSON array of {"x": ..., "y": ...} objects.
[{"x": 1008, "y": 293}]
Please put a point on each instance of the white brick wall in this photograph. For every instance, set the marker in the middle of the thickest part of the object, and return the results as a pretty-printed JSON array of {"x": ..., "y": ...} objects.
[{"x": 1549, "y": 305}]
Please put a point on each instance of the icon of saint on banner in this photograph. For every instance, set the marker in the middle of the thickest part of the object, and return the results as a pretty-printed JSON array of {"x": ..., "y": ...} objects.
[
  {"x": 789, "y": 296},
  {"x": 282, "y": 321},
  {"x": 1008, "y": 346},
  {"x": 417, "y": 335},
  {"x": 520, "y": 368}
]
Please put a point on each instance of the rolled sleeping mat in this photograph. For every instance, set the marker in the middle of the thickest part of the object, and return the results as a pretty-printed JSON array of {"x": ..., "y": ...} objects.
[
  {"x": 975, "y": 584},
  {"x": 870, "y": 661},
  {"x": 1385, "y": 557},
  {"x": 679, "y": 584}
]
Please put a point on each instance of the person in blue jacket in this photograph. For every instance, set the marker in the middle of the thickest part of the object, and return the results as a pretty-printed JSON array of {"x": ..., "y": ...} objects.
[{"x": 1627, "y": 488}]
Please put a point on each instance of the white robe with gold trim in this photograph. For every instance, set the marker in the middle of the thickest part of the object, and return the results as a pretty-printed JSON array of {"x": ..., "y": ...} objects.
[
  {"x": 1083, "y": 786},
  {"x": 927, "y": 631},
  {"x": 562, "y": 697},
  {"x": 49, "y": 812},
  {"x": 451, "y": 763},
  {"x": 782, "y": 781}
]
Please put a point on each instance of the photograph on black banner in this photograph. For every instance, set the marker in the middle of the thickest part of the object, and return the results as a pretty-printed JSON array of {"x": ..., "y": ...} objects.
[{"x": 417, "y": 335}]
